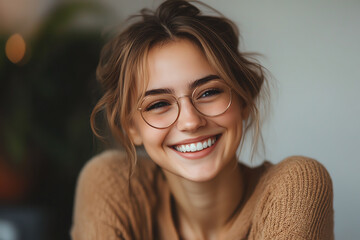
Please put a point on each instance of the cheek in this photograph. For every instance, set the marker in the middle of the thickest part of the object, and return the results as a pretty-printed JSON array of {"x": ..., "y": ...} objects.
[
  {"x": 153, "y": 140},
  {"x": 233, "y": 116},
  {"x": 232, "y": 121}
]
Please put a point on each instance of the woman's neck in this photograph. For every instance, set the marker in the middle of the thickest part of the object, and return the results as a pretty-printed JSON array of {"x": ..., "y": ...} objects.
[{"x": 203, "y": 210}]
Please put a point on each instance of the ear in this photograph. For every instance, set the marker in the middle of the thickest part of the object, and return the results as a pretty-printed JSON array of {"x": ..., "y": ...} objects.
[{"x": 135, "y": 135}]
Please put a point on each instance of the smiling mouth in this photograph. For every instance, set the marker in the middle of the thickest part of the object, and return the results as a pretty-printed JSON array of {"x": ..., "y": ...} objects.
[{"x": 197, "y": 146}]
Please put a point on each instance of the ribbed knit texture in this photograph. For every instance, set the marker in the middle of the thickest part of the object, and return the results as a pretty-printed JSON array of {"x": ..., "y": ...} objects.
[{"x": 290, "y": 200}]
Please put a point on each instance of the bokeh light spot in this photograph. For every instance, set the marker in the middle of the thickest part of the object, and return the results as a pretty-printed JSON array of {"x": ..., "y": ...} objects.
[{"x": 15, "y": 48}]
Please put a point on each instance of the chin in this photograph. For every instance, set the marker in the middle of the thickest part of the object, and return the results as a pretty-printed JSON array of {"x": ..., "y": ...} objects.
[
  {"x": 201, "y": 174},
  {"x": 202, "y": 178}
]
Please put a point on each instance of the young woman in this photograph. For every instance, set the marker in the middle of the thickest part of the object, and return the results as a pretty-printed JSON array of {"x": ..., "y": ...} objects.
[{"x": 176, "y": 84}]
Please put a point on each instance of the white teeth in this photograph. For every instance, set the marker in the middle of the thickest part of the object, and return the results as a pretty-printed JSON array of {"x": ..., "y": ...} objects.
[
  {"x": 194, "y": 147},
  {"x": 183, "y": 148}
]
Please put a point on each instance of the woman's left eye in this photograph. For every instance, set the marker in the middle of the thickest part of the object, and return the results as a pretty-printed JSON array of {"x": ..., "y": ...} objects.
[{"x": 210, "y": 92}]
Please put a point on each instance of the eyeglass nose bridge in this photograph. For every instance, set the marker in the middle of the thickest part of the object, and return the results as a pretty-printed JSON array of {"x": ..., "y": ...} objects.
[
  {"x": 191, "y": 101},
  {"x": 179, "y": 106},
  {"x": 189, "y": 96}
]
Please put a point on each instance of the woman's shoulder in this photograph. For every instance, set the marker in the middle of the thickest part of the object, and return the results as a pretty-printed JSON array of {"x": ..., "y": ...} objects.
[
  {"x": 298, "y": 178},
  {"x": 104, "y": 165},
  {"x": 112, "y": 165},
  {"x": 300, "y": 171},
  {"x": 109, "y": 202},
  {"x": 296, "y": 200},
  {"x": 300, "y": 167}
]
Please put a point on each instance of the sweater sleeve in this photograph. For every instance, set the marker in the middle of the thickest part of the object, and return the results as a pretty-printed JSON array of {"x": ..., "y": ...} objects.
[
  {"x": 297, "y": 202},
  {"x": 103, "y": 207}
]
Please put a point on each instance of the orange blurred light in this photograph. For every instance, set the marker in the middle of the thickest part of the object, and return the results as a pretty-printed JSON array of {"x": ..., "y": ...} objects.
[{"x": 15, "y": 48}]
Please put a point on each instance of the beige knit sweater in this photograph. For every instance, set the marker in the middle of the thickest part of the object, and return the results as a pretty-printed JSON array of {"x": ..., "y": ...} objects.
[{"x": 290, "y": 200}]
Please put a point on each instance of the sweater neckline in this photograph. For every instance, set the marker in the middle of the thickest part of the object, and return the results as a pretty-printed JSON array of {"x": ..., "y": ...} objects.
[{"x": 241, "y": 222}]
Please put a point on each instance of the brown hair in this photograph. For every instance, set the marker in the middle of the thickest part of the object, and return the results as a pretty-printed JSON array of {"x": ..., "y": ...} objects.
[{"x": 123, "y": 60}]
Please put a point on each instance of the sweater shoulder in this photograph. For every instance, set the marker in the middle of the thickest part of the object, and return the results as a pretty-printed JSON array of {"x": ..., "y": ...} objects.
[
  {"x": 112, "y": 169},
  {"x": 296, "y": 201},
  {"x": 107, "y": 164},
  {"x": 299, "y": 179},
  {"x": 108, "y": 202},
  {"x": 299, "y": 170}
]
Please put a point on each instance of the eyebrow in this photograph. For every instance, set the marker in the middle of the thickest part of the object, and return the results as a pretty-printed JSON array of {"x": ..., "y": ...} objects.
[
  {"x": 193, "y": 85},
  {"x": 158, "y": 91},
  {"x": 203, "y": 80}
]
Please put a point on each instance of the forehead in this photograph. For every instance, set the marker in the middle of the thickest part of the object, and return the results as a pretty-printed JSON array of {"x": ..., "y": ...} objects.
[{"x": 176, "y": 64}]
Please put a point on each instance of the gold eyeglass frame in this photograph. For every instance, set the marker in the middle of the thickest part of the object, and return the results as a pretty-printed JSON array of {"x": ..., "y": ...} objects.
[{"x": 179, "y": 105}]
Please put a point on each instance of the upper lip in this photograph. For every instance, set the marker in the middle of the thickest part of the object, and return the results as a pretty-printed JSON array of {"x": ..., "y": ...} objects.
[{"x": 193, "y": 140}]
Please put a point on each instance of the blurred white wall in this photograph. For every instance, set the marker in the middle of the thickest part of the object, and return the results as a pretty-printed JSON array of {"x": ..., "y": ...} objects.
[{"x": 312, "y": 48}]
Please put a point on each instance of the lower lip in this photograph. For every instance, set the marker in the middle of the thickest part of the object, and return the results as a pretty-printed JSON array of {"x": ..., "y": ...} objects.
[{"x": 198, "y": 154}]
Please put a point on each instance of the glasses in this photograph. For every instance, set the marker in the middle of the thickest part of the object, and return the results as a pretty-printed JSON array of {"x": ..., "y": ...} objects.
[{"x": 210, "y": 99}]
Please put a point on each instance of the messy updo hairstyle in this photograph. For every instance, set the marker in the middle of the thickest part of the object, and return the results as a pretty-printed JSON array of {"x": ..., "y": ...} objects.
[{"x": 123, "y": 61}]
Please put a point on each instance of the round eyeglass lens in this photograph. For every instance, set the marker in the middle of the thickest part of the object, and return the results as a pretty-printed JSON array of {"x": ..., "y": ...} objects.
[
  {"x": 212, "y": 98},
  {"x": 160, "y": 111}
]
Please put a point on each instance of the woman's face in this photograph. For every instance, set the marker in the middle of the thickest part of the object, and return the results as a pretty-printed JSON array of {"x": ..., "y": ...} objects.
[{"x": 175, "y": 66}]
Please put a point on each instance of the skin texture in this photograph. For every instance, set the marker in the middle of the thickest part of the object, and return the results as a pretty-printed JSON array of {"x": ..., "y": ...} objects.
[{"x": 207, "y": 189}]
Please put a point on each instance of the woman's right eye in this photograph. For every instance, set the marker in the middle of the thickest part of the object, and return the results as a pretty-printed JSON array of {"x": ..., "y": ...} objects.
[{"x": 157, "y": 105}]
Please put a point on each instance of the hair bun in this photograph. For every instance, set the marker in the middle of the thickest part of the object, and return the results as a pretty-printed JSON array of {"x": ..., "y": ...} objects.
[{"x": 174, "y": 8}]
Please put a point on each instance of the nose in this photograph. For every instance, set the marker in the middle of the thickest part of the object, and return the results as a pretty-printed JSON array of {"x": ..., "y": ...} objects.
[{"x": 189, "y": 118}]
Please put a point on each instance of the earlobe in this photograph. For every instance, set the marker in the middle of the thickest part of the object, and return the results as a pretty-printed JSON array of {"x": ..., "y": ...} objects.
[{"x": 135, "y": 135}]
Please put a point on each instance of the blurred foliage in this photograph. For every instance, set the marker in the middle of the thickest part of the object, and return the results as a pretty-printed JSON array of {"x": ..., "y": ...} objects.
[
  {"x": 45, "y": 104},
  {"x": 46, "y": 100}
]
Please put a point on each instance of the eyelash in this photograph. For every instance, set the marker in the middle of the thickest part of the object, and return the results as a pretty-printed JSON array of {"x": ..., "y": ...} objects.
[
  {"x": 211, "y": 91},
  {"x": 155, "y": 105}
]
